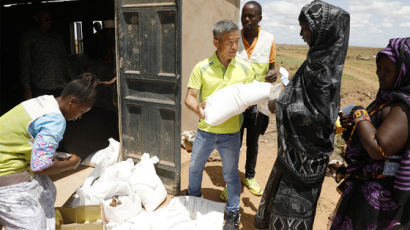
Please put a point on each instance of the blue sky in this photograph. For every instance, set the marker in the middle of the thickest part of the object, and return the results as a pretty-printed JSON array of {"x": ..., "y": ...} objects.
[{"x": 372, "y": 22}]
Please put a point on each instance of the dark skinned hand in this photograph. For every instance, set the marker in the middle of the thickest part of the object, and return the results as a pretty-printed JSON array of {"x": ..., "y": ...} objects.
[
  {"x": 271, "y": 76},
  {"x": 272, "y": 106},
  {"x": 347, "y": 120}
]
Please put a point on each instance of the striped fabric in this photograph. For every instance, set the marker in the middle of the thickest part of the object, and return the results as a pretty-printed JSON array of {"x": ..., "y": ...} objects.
[{"x": 402, "y": 178}]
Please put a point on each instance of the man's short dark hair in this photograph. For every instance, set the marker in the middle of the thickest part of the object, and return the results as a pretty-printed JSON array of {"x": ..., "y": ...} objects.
[{"x": 255, "y": 3}]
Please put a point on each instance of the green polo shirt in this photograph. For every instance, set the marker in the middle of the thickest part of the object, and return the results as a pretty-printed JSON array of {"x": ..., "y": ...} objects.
[{"x": 209, "y": 76}]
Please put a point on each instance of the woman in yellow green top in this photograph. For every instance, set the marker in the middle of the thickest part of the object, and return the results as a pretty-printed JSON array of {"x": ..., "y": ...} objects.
[{"x": 29, "y": 136}]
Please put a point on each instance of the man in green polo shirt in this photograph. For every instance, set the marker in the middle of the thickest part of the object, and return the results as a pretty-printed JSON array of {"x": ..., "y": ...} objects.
[{"x": 207, "y": 77}]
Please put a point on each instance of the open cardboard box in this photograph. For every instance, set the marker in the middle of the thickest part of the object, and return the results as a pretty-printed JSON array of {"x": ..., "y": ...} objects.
[{"x": 75, "y": 218}]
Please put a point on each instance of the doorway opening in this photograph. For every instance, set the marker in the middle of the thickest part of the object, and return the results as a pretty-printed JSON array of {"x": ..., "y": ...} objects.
[{"x": 86, "y": 50}]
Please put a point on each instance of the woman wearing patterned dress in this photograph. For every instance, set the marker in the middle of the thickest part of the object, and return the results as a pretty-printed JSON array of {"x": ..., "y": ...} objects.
[
  {"x": 376, "y": 182},
  {"x": 305, "y": 114}
]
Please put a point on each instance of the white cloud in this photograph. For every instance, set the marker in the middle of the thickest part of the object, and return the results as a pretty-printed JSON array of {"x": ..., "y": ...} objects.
[
  {"x": 375, "y": 6},
  {"x": 281, "y": 19},
  {"x": 359, "y": 20},
  {"x": 405, "y": 24},
  {"x": 372, "y": 22},
  {"x": 284, "y": 12},
  {"x": 391, "y": 11},
  {"x": 387, "y": 23},
  {"x": 403, "y": 12}
]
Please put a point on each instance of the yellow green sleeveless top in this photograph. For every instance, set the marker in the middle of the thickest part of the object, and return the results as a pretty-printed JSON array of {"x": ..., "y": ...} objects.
[{"x": 15, "y": 139}]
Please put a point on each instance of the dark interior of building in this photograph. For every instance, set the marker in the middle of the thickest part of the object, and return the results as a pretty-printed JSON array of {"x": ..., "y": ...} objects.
[{"x": 73, "y": 20}]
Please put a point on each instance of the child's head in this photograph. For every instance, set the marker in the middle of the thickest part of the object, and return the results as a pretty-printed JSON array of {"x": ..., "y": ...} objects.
[{"x": 78, "y": 96}]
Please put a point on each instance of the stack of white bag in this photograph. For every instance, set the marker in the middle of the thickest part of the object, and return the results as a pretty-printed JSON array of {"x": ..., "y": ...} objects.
[
  {"x": 182, "y": 213},
  {"x": 132, "y": 184},
  {"x": 189, "y": 213},
  {"x": 234, "y": 99},
  {"x": 141, "y": 222},
  {"x": 105, "y": 183}
]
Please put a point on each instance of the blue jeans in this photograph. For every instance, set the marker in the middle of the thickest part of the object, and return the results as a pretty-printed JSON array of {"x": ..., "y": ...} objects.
[{"x": 228, "y": 146}]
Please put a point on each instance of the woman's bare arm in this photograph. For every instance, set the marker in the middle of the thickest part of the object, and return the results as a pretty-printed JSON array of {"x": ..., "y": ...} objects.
[{"x": 391, "y": 136}]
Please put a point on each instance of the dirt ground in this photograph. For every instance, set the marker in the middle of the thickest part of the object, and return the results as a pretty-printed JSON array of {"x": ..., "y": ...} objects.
[
  {"x": 213, "y": 182},
  {"x": 359, "y": 87}
]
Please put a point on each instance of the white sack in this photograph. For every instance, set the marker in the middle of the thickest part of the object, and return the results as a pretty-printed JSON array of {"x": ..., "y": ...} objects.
[
  {"x": 139, "y": 222},
  {"x": 106, "y": 157},
  {"x": 120, "y": 171},
  {"x": 104, "y": 183},
  {"x": 190, "y": 213},
  {"x": 263, "y": 107},
  {"x": 145, "y": 182},
  {"x": 121, "y": 226},
  {"x": 95, "y": 195},
  {"x": 171, "y": 219},
  {"x": 130, "y": 207},
  {"x": 234, "y": 99}
]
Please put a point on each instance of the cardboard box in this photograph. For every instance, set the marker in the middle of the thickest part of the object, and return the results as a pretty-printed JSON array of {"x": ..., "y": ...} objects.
[{"x": 74, "y": 218}]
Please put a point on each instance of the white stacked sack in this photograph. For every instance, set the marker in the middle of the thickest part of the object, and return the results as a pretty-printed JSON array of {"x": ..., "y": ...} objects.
[
  {"x": 132, "y": 185},
  {"x": 146, "y": 183},
  {"x": 105, "y": 157},
  {"x": 189, "y": 213},
  {"x": 182, "y": 213},
  {"x": 129, "y": 208}
]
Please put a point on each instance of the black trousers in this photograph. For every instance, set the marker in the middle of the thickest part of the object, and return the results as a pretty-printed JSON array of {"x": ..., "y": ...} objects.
[{"x": 255, "y": 124}]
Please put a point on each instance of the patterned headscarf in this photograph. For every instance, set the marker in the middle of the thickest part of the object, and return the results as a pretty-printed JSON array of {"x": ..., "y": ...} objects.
[{"x": 398, "y": 50}]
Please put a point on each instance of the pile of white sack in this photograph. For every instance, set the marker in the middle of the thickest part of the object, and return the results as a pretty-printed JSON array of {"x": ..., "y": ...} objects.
[
  {"x": 182, "y": 213},
  {"x": 135, "y": 186},
  {"x": 130, "y": 194}
]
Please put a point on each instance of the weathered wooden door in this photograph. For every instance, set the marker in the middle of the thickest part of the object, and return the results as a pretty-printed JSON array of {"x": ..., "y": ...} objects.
[{"x": 149, "y": 67}]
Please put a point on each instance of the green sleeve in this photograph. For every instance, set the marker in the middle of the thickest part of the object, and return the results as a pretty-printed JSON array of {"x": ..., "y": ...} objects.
[{"x": 195, "y": 80}]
